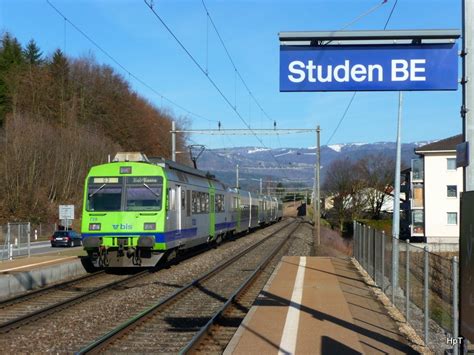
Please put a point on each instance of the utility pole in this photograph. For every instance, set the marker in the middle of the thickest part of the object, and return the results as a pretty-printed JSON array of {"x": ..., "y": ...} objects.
[
  {"x": 467, "y": 109},
  {"x": 317, "y": 196},
  {"x": 261, "y": 186},
  {"x": 237, "y": 176},
  {"x": 173, "y": 140},
  {"x": 396, "y": 199}
]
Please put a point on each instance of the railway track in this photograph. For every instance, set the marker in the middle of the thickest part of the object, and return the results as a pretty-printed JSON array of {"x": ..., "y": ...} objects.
[
  {"x": 31, "y": 306},
  {"x": 179, "y": 322}
]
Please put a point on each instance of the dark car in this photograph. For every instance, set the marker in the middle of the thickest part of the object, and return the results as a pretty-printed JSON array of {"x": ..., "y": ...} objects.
[{"x": 66, "y": 238}]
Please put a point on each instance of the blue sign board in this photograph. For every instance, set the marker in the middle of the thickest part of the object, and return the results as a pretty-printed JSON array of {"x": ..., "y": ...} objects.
[{"x": 369, "y": 68}]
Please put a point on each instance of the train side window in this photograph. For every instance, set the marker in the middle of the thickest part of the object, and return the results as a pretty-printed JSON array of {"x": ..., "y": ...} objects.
[
  {"x": 220, "y": 203},
  {"x": 172, "y": 198},
  {"x": 183, "y": 199},
  {"x": 206, "y": 202},
  {"x": 188, "y": 203}
]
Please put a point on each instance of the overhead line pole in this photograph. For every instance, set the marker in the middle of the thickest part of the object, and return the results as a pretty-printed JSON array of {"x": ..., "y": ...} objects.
[
  {"x": 173, "y": 140},
  {"x": 237, "y": 176}
]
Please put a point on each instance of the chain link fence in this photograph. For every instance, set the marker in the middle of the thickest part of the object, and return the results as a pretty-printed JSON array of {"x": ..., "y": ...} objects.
[
  {"x": 16, "y": 238},
  {"x": 423, "y": 286}
]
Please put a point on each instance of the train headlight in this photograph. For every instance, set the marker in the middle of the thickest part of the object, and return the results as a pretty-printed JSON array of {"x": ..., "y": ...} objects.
[
  {"x": 94, "y": 226},
  {"x": 149, "y": 226}
]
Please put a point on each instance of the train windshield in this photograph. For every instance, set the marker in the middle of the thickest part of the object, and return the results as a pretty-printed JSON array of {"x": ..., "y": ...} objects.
[
  {"x": 144, "y": 193},
  {"x": 134, "y": 193},
  {"x": 104, "y": 194}
]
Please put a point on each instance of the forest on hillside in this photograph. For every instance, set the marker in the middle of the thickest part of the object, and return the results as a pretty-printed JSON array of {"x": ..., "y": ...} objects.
[{"x": 58, "y": 117}]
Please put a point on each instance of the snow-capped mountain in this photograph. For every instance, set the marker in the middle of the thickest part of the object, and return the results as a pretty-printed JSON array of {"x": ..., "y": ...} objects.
[{"x": 290, "y": 164}]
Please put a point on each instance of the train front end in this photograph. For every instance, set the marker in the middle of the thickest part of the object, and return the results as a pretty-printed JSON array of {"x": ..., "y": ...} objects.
[{"x": 123, "y": 218}]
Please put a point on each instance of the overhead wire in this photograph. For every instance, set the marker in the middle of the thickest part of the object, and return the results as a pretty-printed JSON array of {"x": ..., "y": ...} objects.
[
  {"x": 342, "y": 117},
  {"x": 130, "y": 74},
  {"x": 236, "y": 71},
  {"x": 355, "y": 93},
  {"x": 390, "y": 15},
  {"x": 206, "y": 74},
  {"x": 233, "y": 63}
]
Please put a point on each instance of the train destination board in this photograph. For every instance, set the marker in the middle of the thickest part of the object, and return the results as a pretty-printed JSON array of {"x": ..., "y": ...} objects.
[{"x": 369, "y": 67}]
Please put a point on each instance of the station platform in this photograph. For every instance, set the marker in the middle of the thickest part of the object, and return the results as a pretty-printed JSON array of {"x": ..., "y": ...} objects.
[
  {"x": 317, "y": 305},
  {"x": 24, "y": 263},
  {"x": 28, "y": 273}
]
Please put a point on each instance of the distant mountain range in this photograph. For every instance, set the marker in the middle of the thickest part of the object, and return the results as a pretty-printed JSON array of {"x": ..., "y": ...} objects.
[{"x": 296, "y": 165}]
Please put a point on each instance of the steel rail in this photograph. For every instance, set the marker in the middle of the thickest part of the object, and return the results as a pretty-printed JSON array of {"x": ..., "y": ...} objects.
[
  {"x": 15, "y": 323},
  {"x": 198, "y": 337},
  {"x": 101, "y": 343},
  {"x": 20, "y": 298}
]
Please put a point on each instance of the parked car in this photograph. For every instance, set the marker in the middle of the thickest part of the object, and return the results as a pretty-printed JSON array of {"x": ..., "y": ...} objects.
[{"x": 66, "y": 238}]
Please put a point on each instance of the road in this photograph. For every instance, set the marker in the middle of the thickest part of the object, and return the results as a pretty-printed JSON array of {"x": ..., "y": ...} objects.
[{"x": 36, "y": 248}]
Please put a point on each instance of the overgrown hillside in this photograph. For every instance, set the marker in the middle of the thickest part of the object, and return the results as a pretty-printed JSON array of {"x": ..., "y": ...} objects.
[{"x": 58, "y": 117}]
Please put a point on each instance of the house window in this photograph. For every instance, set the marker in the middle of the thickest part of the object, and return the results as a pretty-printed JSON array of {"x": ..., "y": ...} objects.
[
  {"x": 417, "y": 169},
  {"x": 417, "y": 222},
  {"x": 452, "y": 191},
  {"x": 417, "y": 197},
  {"x": 451, "y": 163},
  {"x": 452, "y": 218}
]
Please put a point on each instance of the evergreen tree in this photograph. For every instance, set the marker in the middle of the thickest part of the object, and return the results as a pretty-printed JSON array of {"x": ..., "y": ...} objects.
[
  {"x": 11, "y": 58},
  {"x": 10, "y": 53},
  {"x": 59, "y": 67},
  {"x": 32, "y": 53}
]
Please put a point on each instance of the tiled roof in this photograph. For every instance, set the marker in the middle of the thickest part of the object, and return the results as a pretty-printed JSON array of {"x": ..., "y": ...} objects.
[{"x": 442, "y": 145}]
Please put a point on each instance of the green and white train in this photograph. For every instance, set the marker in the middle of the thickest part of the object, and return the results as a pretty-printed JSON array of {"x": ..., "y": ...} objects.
[{"x": 137, "y": 210}]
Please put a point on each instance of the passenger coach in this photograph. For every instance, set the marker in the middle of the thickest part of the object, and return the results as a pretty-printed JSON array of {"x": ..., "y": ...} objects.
[{"x": 137, "y": 210}]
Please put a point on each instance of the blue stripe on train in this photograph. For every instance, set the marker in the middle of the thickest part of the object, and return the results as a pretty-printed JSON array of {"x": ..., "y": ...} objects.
[
  {"x": 159, "y": 237},
  {"x": 225, "y": 225}
]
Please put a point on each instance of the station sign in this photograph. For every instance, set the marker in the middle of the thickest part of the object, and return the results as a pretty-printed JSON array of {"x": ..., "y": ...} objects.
[
  {"x": 66, "y": 212},
  {"x": 369, "y": 67}
]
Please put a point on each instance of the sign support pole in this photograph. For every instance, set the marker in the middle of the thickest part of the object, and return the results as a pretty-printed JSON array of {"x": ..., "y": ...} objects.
[
  {"x": 467, "y": 115},
  {"x": 396, "y": 199},
  {"x": 317, "y": 196},
  {"x": 468, "y": 89}
]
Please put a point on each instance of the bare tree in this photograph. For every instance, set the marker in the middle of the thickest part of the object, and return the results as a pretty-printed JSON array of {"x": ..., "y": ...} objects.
[
  {"x": 344, "y": 184},
  {"x": 377, "y": 171}
]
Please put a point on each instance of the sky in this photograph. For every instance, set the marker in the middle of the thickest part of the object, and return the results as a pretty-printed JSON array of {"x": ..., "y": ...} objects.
[{"x": 129, "y": 32}]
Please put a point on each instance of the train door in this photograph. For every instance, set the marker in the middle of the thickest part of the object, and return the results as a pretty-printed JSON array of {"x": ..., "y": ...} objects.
[
  {"x": 250, "y": 210},
  {"x": 212, "y": 211},
  {"x": 179, "y": 207}
]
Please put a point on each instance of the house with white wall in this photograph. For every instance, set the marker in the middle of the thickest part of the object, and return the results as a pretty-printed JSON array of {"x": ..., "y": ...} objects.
[{"x": 435, "y": 189}]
